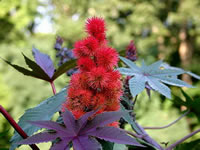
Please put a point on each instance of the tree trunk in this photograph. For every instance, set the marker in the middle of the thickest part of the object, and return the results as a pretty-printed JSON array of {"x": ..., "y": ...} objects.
[{"x": 185, "y": 52}]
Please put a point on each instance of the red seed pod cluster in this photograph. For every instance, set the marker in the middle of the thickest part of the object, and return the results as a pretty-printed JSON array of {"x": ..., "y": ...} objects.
[
  {"x": 97, "y": 85},
  {"x": 131, "y": 51}
]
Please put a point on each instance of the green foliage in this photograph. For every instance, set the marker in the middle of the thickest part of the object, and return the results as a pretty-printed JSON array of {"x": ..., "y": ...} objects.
[
  {"x": 156, "y": 112},
  {"x": 119, "y": 147},
  {"x": 43, "y": 111},
  {"x": 106, "y": 145},
  {"x": 129, "y": 119},
  {"x": 22, "y": 92},
  {"x": 15, "y": 16},
  {"x": 63, "y": 68},
  {"x": 192, "y": 105},
  {"x": 112, "y": 146},
  {"x": 193, "y": 145},
  {"x": 5, "y": 100}
]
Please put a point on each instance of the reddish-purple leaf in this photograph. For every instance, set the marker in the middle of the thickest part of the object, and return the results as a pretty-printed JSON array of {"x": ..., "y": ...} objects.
[
  {"x": 86, "y": 143},
  {"x": 103, "y": 119},
  {"x": 70, "y": 122},
  {"x": 113, "y": 134},
  {"x": 83, "y": 120},
  {"x": 36, "y": 69},
  {"x": 80, "y": 131},
  {"x": 61, "y": 145},
  {"x": 44, "y": 61},
  {"x": 39, "y": 138},
  {"x": 50, "y": 125}
]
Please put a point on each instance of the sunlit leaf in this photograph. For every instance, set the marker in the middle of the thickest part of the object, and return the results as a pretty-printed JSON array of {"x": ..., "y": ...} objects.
[
  {"x": 153, "y": 75},
  {"x": 63, "y": 68}
]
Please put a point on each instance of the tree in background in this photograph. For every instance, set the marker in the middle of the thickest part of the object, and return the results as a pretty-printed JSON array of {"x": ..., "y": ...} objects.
[
  {"x": 167, "y": 29},
  {"x": 17, "y": 19}
]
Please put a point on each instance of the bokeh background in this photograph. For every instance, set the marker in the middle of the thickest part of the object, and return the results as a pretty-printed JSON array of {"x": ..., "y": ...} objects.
[{"x": 161, "y": 29}]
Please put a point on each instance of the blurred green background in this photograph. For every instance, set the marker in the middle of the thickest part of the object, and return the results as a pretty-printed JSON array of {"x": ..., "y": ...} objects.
[{"x": 161, "y": 29}]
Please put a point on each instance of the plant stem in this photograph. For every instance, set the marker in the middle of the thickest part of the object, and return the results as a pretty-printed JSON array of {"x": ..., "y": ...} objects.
[
  {"x": 53, "y": 87},
  {"x": 135, "y": 100},
  {"x": 147, "y": 138},
  {"x": 170, "y": 124},
  {"x": 133, "y": 134},
  {"x": 182, "y": 140},
  {"x": 16, "y": 126}
]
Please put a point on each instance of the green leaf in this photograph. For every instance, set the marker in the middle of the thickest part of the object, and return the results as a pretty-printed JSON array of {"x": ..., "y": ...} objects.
[
  {"x": 36, "y": 68},
  {"x": 155, "y": 75},
  {"x": 188, "y": 99},
  {"x": 119, "y": 147},
  {"x": 194, "y": 145},
  {"x": 22, "y": 70},
  {"x": 154, "y": 66},
  {"x": 63, "y": 68},
  {"x": 136, "y": 85},
  {"x": 126, "y": 100},
  {"x": 106, "y": 145},
  {"x": 174, "y": 81},
  {"x": 36, "y": 71},
  {"x": 44, "y": 111},
  {"x": 167, "y": 66},
  {"x": 126, "y": 71},
  {"x": 129, "y": 63},
  {"x": 195, "y": 108},
  {"x": 158, "y": 86},
  {"x": 126, "y": 116},
  {"x": 178, "y": 101},
  {"x": 2, "y": 134},
  {"x": 192, "y": 105}
]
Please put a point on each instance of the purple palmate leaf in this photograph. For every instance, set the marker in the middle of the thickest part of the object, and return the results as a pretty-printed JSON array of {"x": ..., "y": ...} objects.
[
  {"x": 83, "y": 120},
  {"x": 113, "y": 134},
  {"x": 44, "y": 61},
  {"x": 86, "y": 143},
  {"x": 103, "y": 119},
  {"x": 70, "y": 122},
  {"x": 81, "y": 132},
  {"x": 61, "y": 145},
  {"x": 40, "y": 138},
  {"x": 51, "y": 125}
]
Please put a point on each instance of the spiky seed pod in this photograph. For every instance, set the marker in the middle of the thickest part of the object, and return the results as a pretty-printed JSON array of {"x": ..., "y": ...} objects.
[
  {"x": 131, "y": 51},
  {"x": 97, "y": 85}
]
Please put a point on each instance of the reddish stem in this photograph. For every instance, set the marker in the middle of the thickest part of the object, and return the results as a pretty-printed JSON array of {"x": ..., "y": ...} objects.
[
  {"x": 16, "y": 126},
  {"x": 53, "y": 87}
]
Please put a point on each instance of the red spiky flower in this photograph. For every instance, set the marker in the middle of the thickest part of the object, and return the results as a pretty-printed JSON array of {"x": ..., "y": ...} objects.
[
  {"x": 97, "y": 85},
  {"x": 96, "y": 27}
]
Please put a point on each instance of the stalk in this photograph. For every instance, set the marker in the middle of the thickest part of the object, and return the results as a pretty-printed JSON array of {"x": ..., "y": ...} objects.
[
  {"x": 16, "y": 126},
  {"x": 170, "y": 124},
  {"x": 53, "y": 87},
  {"x": 182, "y": 140}
]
